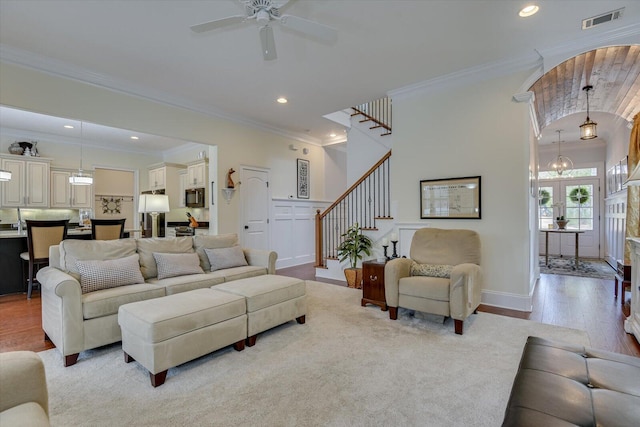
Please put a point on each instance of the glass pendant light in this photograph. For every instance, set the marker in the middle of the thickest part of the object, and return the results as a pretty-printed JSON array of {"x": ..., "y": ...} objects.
[
  {"x": 588, "y": 128},
  {"x": 561, "y": 163},
  {"x": 80, "y": 178}
]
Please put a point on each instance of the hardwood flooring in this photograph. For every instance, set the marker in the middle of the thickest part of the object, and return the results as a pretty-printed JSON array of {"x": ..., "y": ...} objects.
[{"x": 573, "y": 302}]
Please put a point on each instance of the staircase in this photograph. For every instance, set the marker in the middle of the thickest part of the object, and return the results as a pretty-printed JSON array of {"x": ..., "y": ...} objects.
[
  {"x": 366, "y": 202},
  {"x": 377, "y": 112}
]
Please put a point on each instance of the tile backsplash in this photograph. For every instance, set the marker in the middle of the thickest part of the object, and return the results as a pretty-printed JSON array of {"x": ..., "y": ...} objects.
[{"x": 10, "y": 215}]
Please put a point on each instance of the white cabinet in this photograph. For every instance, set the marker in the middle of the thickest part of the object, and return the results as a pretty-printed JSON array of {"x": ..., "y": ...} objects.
[
  {"x": 65, "y": 195},
  {"x": 29, "y": 185},
  {"x": 182, "y": 176},
  {"x": 197, "y": 174},
  {"x": 158, "y": 178}
]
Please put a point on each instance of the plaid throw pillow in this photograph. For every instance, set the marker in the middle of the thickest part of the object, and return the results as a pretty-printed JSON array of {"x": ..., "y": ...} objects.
[
  {"x": 431, "y": 270},
  {"x": 96, "y": 275},
  {"x": 172, "y": 265}
]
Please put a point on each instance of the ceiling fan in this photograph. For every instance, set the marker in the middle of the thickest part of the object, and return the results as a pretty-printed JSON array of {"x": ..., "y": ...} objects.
[{"x": 266, "y": 12}]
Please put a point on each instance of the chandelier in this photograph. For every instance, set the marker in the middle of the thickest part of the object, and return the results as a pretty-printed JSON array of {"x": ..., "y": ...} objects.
[
  {"x": 588, "y": 128},
  {"x": 561, "y": 163}
]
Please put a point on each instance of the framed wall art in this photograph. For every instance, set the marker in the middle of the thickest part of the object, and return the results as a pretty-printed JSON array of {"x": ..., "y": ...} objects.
[
  {"x": 303, "y": 179},
  {"x": 451, "y": 198}
]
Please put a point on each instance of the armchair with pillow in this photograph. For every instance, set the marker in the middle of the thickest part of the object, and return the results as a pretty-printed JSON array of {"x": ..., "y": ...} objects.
[{"x": 442, "y": 275}]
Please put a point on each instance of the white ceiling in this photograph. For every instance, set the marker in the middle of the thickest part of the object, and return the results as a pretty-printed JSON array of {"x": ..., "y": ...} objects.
[{"x": 145, "y": 47}]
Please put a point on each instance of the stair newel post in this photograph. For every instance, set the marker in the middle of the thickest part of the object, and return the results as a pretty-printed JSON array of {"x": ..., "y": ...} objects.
[{"x": 319, "y": 254}]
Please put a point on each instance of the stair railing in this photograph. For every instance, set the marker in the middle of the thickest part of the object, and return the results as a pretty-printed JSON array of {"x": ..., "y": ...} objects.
[
  {"x": 378, "y": 112},
  {"x": 367, "y": 200}
]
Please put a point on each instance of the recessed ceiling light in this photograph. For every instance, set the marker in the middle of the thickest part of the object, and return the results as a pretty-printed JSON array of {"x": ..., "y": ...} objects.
[
  {"x": 332, "y": 135},
  {"x": 282, "y": 100},
  {"x": 135, "y": 138},
  {"x": 68, "y": 127},
  {"x": 529, "y": 10}
]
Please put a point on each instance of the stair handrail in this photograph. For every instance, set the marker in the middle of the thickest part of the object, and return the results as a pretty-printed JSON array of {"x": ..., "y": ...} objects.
[{"x": 321, "y": 215}]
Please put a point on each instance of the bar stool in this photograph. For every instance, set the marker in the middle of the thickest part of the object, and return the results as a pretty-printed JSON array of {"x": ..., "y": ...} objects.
[
  {"x": 40, "y": 236},
  {"x": 107, "y": 229}
]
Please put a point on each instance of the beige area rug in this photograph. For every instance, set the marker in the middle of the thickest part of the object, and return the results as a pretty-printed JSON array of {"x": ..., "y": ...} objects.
[{"x": 347, "y": 366}]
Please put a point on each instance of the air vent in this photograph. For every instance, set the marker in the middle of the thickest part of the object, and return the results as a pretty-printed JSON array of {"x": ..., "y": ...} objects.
[{"x": 602, "y": 19}]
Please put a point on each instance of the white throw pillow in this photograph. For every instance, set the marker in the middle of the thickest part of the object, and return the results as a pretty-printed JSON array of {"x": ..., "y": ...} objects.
[
  {"x": 172, "y": 265},
  {"x": 97, "y": 274},
  {"x": 222, "y": 258}
]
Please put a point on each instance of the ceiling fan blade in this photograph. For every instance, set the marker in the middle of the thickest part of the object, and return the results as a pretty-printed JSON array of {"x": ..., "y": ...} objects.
[
  {"x": 268, "y": 43},
  {"x": 218, "y": 23},
  {"x": 311, "y": 28},
  {"x": 284, "y": 5}
]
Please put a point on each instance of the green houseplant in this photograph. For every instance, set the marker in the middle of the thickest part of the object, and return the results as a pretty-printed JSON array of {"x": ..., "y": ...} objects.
[{"x": 353, "y": 245}]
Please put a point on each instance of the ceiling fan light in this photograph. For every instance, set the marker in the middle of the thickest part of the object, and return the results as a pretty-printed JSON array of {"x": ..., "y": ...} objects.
[
  {"x": 5, "y": 175},
  {"x": 529, "y": 10}
]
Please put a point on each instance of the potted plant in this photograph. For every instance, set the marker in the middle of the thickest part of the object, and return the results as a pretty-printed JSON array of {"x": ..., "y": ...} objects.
[
  {"x": 353, "y": 245},
  {"x": 562, "y": 223}
]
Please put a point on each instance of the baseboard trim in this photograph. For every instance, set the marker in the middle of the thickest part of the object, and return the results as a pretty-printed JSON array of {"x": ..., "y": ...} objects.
[{"x": 507, "y": 300}]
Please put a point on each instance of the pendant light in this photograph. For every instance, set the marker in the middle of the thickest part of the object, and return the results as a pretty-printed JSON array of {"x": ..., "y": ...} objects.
[
  {"x": 80, "y": 178},
  {"x": 561, "y": 163},
  {"x": 5, "y": 175},
  {"x": 588, "y": 128}
]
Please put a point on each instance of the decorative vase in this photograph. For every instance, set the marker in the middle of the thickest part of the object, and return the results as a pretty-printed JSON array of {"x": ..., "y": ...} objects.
[
  {"x": 562, "y": 223},
  {"x": 354, "y": 277},
  {"x": 15, "y": 148}
]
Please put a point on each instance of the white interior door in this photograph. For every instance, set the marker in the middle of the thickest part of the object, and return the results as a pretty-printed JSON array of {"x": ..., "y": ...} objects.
[
  {"x": 579, "y": 201},
  {"x": 255, "y": 207}
]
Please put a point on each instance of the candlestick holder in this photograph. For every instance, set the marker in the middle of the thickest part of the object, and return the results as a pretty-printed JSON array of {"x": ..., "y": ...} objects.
[
  {"x": 395, "y": 254},
  {"x": 384, "y": 248}
]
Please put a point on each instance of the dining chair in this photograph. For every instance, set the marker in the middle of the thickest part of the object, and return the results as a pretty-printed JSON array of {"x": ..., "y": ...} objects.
[
  {"x": 40, "y": 236},
  {"x": 107, "y": 229}
]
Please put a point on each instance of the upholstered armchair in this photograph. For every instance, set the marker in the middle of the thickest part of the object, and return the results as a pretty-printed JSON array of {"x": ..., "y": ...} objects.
[
  {"x": 24, "y": 400},
  {"x": 442, "y": 275}
]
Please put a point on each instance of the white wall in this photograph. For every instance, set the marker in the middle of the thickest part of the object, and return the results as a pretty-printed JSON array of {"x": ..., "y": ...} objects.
[
  {"x": 364, "y": 149},
  {"x": 469, "y": 131},
  {"x": 335, "y": 172}
]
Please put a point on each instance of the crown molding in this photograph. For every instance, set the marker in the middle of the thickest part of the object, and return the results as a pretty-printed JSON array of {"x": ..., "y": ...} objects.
[
  {"x": 54, "y": 67},
  {"x": 467, "y": 76}
]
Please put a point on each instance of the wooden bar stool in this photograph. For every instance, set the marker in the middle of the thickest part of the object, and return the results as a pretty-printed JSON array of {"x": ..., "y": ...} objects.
[{"x": 107, "y": 229}]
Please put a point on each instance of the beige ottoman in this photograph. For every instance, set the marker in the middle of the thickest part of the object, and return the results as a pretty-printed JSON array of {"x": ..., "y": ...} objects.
[
  {"x": 271, "y": 301},
  {"x": 164, "y": 332}
]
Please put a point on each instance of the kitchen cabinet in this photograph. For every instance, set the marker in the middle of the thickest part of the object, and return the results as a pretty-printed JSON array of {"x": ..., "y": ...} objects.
[
  {"x": 182, "y": 176},
  {"x": 29, "y": 185},
  {"x": 157, "y": 178},
  {"x": 65, "y": 195},
  {"x": 197, "y": 174},
  {"x": 166, "y": 176}
]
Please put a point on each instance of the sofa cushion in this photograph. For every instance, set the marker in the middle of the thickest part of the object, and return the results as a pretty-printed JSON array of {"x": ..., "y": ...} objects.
[
  {"x": 222, "y": 258},
  {"x": 174, "y": 285},
  {"x": 96, "y": 275},
  {"x": 73, "y": 250},
  {"x": 212, "y": 242},
  {"x": 105, "y": 302},
  {"x": 431, "y": 270},
  {"x": 146, "y": 248},
  {"x": 237, "y": 273},
  {"x": 435, "y": 288},
  {"x": 173, "y": 265}
]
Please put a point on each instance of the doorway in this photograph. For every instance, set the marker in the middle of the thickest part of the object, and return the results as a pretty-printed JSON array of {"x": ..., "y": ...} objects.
[
  {"x": 255, "y": 207},
  {"x": 578, "y": 200}
]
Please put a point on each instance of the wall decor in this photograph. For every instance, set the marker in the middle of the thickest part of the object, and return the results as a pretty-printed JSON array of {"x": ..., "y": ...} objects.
[
  {"x": 111, "y": 205},
  {"x": 303, "y": 179},
  {"x": 450, "y": 198}
]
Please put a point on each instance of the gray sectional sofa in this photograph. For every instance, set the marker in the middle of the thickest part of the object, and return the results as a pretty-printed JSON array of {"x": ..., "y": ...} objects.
[{"x": 88, "y": 280}]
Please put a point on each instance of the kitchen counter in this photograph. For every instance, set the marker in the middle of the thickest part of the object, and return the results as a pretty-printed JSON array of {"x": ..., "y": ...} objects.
[{"x": 12, "y": 234}]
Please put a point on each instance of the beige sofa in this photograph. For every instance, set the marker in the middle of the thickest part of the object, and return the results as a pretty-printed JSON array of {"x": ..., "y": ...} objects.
[
  {"x": 75, "y": 321},
  {"x": 24, "y": 400}
]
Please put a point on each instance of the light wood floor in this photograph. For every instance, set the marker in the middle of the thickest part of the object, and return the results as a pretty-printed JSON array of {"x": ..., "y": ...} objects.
[{"x": 574, "y": 302}]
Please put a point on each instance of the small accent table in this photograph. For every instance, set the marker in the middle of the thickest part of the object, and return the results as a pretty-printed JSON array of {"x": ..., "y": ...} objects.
[
  {"x": 546, "y": 242},
  {"x": 373, "y": 284}
]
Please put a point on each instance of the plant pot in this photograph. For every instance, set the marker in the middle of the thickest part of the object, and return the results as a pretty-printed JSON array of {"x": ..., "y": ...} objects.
[
  {"x": 562, "y": 223},
  {"x": 354, "y": 277}
]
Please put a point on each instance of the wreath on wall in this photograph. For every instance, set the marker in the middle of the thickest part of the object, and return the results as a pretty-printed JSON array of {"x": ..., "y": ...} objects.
[
  {"x": 579, "y": 195},
  {"x": 544, "y": 197}
]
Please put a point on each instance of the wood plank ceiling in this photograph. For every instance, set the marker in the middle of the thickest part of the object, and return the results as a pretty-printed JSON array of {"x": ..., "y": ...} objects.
[{"x": 614, "y": 73}]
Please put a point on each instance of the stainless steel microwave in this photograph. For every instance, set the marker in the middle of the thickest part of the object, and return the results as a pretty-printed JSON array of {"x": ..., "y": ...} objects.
[{"x": 194, "y": 198}]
